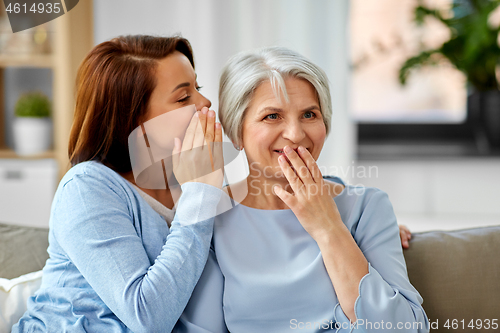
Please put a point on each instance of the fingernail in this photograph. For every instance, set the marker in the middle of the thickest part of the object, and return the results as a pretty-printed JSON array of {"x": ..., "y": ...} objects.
[
  {"x": 197, "y": 114},
  {"x": 287, "y": 149},
  {"x": 302, "y": 149},
  {"x": 204, "y": 110},
  {"x": 211, "y": 114},
  {"x": 217, "y": 125}
]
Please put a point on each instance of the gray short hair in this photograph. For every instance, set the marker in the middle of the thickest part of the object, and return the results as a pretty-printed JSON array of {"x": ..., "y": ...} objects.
[{"x": 245, "y": 71}]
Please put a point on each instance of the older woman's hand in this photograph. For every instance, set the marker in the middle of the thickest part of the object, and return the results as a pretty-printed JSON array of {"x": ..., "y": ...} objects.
[
  {"x": 313, "y": 204},
  {"x": 312, "y": 196},
  {"x": 312, "y": 201}
]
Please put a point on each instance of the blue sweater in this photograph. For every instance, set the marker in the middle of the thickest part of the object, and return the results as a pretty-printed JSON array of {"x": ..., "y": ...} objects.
[
  {"x": 267, "y": 274},
  {"x": 114, "y": 264}
]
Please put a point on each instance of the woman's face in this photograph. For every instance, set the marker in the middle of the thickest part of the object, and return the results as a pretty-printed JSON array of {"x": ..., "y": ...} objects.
[
  {"x": 171, "y": 104},
  {"x": 270, "y": 125},
  {"x": 176, "y": 87}
]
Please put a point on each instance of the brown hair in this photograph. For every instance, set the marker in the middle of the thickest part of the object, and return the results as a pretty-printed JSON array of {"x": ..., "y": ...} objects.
[{"x": 114, "y": 84}]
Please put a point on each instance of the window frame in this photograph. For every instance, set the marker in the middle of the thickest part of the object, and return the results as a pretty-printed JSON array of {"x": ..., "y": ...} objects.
[{"x": 468, "y": 135}]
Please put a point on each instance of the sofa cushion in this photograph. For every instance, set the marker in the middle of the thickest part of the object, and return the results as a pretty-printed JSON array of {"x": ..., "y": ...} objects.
[
  {"x": 22, "y": 250},
  {"x": 457, "y": 273},
  {"x": 14, "y": 296}
]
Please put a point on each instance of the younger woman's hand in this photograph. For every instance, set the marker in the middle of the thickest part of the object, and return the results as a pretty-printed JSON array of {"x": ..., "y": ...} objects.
[
  {"x": 199, "y": 157},
  {"x": 312, "y": 200}
]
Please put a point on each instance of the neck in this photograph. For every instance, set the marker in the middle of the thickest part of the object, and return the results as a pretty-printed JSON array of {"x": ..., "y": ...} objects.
[
  {"x": 164, "y": 196},
  {"x": 261, "y": 194}
]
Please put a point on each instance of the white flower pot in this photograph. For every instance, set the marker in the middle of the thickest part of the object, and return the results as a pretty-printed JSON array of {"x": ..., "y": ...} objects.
[{"x": 32, "y": 135}]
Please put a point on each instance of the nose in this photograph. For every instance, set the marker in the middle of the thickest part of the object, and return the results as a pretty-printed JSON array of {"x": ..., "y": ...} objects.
[
  {"x": 201, "y": 101},
  {"x": 293, "y": 131}
]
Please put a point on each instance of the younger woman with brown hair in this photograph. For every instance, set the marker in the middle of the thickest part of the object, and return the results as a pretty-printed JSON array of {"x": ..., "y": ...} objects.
[{"x": 120, "y": 260}]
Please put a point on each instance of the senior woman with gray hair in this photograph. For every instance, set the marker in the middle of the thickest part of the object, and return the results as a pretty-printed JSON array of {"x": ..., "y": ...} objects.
[{"x": 298, "y": 251}]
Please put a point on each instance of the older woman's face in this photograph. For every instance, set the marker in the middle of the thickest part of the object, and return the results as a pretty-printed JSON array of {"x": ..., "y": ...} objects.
[{"x": 270, "y": 125}]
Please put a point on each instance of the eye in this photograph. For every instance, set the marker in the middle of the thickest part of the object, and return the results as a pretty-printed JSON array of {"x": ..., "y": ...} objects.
[
  {"x": 272, "y": 116},
  {"x": 184, "y": 99},
  {"x": 199, "y": 88},
  {"x": 309, "y": 114}
]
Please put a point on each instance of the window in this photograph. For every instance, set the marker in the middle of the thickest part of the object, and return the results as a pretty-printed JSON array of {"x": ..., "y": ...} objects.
[
  {"x": 432, "y": 105},
  {"x": 384, "y": 35}
]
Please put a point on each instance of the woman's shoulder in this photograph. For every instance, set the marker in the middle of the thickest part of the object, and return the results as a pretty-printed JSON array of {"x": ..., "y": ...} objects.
[
  {"x": 90, "y": 175},
  {"x": 365, "y": 210},
  {"x": 358, "y": 191},
  {"x": 91, "y": 187},
  {"x": 334, "y": 185},
  {"x": 357, "y": 198},
  {"x": 338, "y": 187},
  {"x": 92, "y": 169}
]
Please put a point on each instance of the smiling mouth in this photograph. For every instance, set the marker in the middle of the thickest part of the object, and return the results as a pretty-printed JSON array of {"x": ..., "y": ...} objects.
[{"x": 280, "y": 151}]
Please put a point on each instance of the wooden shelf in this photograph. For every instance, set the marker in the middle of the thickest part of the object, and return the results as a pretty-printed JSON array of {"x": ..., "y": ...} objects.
[
  {"x": 26, "y": 60},
  {"x": 72, "y": 39},
  {"x": 9, "y": 153}
]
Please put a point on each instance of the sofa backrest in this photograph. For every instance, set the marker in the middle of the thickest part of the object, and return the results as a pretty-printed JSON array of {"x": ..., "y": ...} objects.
[
  {"x": 458, "y": 275},
  {"x": 22, "y": 250}
]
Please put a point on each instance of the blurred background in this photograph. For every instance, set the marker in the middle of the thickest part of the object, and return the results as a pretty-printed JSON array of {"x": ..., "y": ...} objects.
[{"x": 414, "y": 89}]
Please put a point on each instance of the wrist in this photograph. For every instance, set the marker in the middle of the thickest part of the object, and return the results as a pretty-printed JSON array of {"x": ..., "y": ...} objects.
[{"x": 336, "y": 234}]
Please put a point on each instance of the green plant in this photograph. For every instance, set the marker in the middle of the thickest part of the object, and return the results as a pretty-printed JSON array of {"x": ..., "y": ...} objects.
[
  {"x": 472, "y": 47},
  {"x": 33, "y": 104}
]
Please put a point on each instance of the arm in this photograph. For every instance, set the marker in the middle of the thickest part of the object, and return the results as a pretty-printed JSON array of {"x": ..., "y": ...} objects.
[
  {"x": 204, "y": 312},
  {"x": 345, "y": 263},
  {"x": 362, "y": 292},
  {"x": 385, "y": 294},
  {"x": 316, "y": 210},
  {"x": 95, "y": 227}
]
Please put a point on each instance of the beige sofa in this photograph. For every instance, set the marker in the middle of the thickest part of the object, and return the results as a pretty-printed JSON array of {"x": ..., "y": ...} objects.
[
  {"x": 456, "y": 272},
  {"x": 458, "y": 275}
]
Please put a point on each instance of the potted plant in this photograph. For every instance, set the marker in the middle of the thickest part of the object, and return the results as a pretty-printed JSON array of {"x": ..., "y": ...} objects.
[
  {"x": 473, "y": 49},
  {"x": 32, "y": 125}
]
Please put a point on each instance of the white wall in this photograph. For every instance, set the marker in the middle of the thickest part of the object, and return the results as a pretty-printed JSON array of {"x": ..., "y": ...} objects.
[{"x": 434, "y": 194}]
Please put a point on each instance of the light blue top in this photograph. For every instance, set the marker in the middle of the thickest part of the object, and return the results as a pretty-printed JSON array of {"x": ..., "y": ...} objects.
[
  {"x": 115, "y": 266},
  {"x": 267, "y": 274}
]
